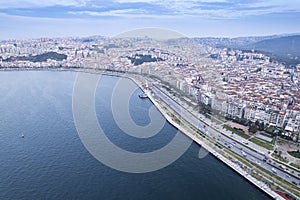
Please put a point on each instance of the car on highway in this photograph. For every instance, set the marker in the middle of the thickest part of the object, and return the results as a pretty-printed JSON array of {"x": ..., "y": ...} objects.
[
  {"x": 283, "y": 167},
  {"x": 244, "y": 154}
]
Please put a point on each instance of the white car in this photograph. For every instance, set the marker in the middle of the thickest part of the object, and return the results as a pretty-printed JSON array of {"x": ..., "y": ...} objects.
[{"x": 244, "y": 154}]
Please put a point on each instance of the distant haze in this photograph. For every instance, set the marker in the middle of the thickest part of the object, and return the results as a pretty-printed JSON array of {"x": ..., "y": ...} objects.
[
  {"x": 155, "y": 33},
  {"x": 194, "y": 18}
]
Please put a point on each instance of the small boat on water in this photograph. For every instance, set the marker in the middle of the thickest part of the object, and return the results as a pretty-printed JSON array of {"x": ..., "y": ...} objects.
[
  {"x": 143, "y": 96},
  {"x": 22, "y": 136}
]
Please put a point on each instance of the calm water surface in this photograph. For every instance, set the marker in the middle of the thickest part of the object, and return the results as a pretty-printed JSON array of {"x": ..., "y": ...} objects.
[{"x": 52, "y": 163}]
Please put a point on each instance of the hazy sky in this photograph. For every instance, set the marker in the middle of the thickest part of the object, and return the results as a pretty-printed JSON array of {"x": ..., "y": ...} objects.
[{"x": 219, "y": 18}]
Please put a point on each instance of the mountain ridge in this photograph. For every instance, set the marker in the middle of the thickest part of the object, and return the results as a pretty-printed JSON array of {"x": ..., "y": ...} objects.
[{"x": 283, "y": 48}]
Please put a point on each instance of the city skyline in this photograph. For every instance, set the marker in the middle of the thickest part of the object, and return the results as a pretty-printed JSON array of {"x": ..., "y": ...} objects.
[
  {"x": 216, "y": 18},
  {"x": 239, "y": 104}
]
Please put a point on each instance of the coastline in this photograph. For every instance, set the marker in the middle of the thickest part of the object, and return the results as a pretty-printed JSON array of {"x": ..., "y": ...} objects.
[
  {"x": 192, "y": 136},
  {"x": 196, "y": 139}
]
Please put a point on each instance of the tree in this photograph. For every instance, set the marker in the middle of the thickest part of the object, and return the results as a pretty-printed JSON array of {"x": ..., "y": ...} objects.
[
  {"x": 253, "y": 128},
  {"x": 261, "y": 126},
  {"x": 257, "y": 123}
]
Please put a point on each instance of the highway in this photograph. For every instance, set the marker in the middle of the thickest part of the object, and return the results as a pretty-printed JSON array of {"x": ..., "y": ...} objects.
[{"x": 229, "y": 140}]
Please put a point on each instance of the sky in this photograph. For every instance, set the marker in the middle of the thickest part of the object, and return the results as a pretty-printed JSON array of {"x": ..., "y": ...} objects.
[{"x": 23, "y": 19}]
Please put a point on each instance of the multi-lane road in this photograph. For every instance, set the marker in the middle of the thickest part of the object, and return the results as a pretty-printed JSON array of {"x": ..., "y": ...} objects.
[{"x": 228, "y": 140}]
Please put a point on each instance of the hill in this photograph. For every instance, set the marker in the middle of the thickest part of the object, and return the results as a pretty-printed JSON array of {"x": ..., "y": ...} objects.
[
  {"x": 285, "y": 49},
  {"x": 235, "y": 43},
  {"x": 38, "y": 58}
]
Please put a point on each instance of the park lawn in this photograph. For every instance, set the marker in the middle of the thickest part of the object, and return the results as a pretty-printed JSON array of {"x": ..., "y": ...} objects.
[
  {"x": 294, "y": 154},
  {"x": 262, "y": 143},
  {"x": 236, "y": 131},
  {"x": 295, "y": 165},
  {"x": 280, "y": 158}
]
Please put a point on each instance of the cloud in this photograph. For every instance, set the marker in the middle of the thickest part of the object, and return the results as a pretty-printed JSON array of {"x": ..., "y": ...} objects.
[
  {"x": 284, "y": 5},
  {"x": 111, "y": 13},
  {"x": 39, "y": 3},
  {"x": 202, "y": 9},
  {"x": 126, "y": 13},
  {"x": 170, "y": 1}
]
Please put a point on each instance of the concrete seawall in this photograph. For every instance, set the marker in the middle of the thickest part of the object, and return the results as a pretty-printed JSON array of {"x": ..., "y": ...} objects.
[{"x": 196, "y": 138}]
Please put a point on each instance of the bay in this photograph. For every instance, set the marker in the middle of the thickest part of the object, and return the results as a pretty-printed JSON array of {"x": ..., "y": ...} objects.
[{"x": 52, "y": 163}]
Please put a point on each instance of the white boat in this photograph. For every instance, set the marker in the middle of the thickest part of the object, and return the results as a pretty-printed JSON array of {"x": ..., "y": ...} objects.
[{"x": 143, "y": 96}]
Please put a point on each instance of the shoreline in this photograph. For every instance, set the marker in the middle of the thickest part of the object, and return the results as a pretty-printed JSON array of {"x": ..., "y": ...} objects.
[
  {"x": 221, "y": 158},
  {"x": 192, "y": 136}
]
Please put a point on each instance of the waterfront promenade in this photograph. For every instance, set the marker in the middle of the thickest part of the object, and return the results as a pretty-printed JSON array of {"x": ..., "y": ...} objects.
[
  {"x": 196, "y": 138},
  {"x": 234, "y": 166}
]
